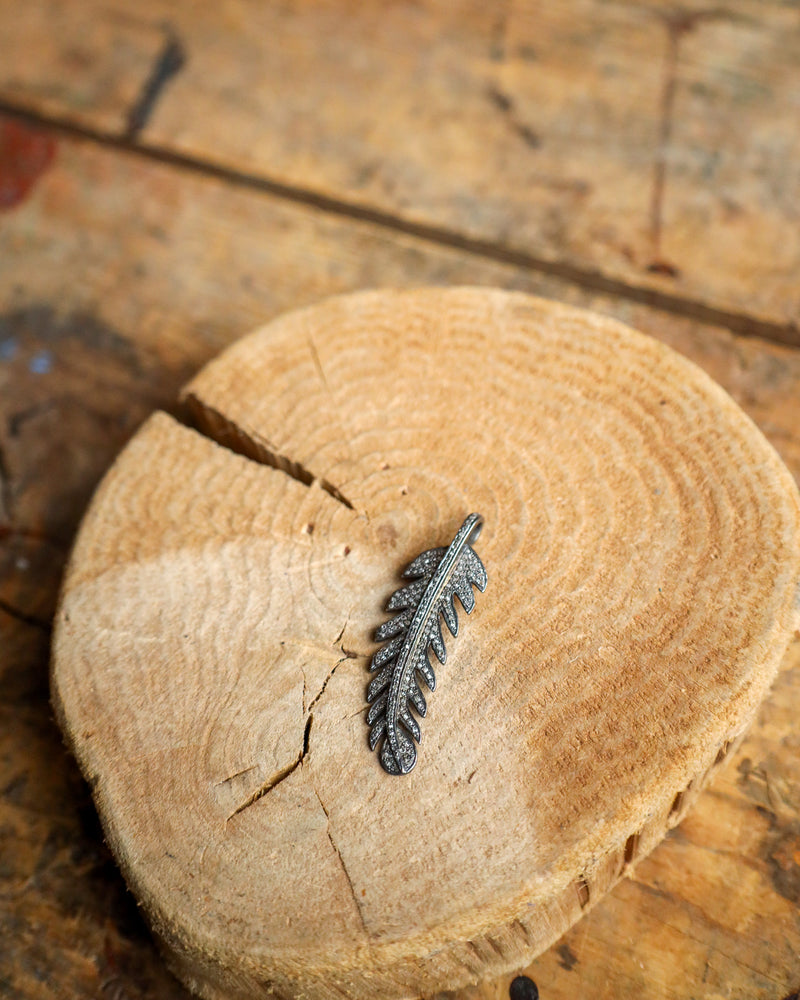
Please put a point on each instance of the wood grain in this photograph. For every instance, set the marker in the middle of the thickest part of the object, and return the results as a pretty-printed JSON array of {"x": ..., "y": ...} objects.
[
  {"x": 646, "y": 145},
  {"x": 216, "y": 619},
  {"x": 120, "y": 278}
]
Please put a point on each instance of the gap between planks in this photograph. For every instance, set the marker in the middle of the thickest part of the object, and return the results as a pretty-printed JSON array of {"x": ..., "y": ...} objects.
[{"x": 742, "y": 324}]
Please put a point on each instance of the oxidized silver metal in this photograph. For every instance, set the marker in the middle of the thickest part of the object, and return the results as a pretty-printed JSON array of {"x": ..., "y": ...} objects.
[{"x": 440, "y": 575}]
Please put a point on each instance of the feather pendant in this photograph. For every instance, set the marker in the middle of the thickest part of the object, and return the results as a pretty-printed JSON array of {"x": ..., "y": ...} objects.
[{"x": 439, "y": 576}]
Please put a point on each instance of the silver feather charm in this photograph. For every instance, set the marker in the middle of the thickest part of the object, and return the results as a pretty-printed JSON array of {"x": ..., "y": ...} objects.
[{"x": 439, "y": 576}]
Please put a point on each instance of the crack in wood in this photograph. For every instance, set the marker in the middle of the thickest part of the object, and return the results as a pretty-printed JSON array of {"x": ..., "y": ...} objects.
[
  {"x": 583, "y": 892},
  {"x": 42, "y": 624},
  {"x": 678, "y": 23},
  {"x": 10, "y": 532},
  {"x": 209, "y": 422},
  {"x": 236, "y": 774},
  {"x": 518, "y": 926},
  {"x": 347, "y": 656},
  {"x": 335, "y": 847},
  {"x": 494, "y": 946},
  {"x": 657, "y": 265},
  {"x": 631, "y": 849},
  {"x": 283, "y": 773},
  {"x": 6, "y": 491},
  {"x": 17, "y": 420},
  {"x": 279, "y": 776},
  {"x": 273, "y": 782},
  {"x": 344, "y": 437}
]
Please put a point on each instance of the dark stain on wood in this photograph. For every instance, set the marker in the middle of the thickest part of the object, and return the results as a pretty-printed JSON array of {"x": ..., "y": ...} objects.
[
  {"x": 39, "y": 326},
  {"x": 529, "y": 137},
  {"x": 500, "y": 100},
  {"x": 506, "y": 106},
  {"x": 780, "y": 846},
  {"x": 80, "y": 389},
  {"x": 780, "y": 850},
  {"x": 169, "y": 62},
  {"x": 499, "y": 31},
  {"x": 64, "y": 876},
  {"x": 567, "y": 958},
  {"x": 662, "y": 266}
]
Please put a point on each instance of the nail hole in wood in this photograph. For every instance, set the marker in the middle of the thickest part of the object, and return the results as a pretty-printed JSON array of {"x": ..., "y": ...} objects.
[{"x": 523, "y": 988}]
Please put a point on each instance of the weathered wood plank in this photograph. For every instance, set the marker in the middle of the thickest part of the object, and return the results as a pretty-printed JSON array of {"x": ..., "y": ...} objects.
[
  {"x": 88, "y": 63},
  {"x": 646, "y": 145},
  {"x": 119, "y": 279}
]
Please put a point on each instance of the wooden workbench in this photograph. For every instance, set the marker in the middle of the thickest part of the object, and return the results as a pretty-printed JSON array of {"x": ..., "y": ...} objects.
[{"x": 174, "y": 174}]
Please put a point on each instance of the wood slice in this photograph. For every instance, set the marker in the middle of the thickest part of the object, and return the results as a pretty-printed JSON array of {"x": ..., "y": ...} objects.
[{"x": 211, "y": 654}]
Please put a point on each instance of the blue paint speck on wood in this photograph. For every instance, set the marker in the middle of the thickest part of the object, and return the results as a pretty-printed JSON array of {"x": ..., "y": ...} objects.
[{"x": 41, "y": 363}]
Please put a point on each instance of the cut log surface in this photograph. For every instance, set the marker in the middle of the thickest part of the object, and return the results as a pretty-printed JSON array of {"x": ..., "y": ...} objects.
[{"x": 211, "y": 653}]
